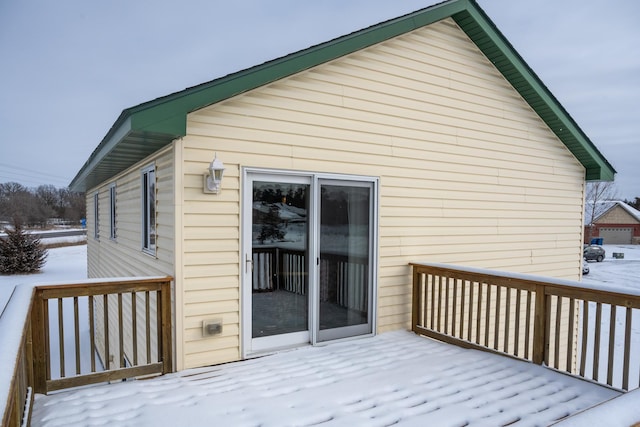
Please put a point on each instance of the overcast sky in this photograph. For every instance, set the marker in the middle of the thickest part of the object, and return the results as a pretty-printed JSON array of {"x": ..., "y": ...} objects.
[{"x": 69, "y": 67}]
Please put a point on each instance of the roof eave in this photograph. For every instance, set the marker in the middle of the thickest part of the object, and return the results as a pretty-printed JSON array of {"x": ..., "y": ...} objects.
[
  {"x": 479, "y": 27},
  {"x": 164, "y": 119}
]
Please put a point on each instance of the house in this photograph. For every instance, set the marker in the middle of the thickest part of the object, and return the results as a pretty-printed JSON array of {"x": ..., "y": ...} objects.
[
  {"x": 426, "y": 137},
  {"x": 615, "y": 222}
]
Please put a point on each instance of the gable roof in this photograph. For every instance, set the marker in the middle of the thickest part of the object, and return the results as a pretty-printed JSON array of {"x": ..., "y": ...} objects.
[
  {"x": 604, "y": 207},
  {"x": 142, "y": 130}
]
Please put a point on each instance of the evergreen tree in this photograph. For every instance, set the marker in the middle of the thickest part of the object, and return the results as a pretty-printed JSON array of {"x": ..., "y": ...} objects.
[
  {"x": 20, "y": 252},
  {"x": 271, "y": 227}
]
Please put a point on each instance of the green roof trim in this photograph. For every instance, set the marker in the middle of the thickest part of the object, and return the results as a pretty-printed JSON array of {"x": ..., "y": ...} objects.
[{"x": 142, "y": 130}]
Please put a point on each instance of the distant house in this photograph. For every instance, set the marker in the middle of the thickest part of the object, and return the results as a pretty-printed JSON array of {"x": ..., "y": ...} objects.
[
  {"x": 614, "y": 221},
  {"x": 423, "y": 138}
]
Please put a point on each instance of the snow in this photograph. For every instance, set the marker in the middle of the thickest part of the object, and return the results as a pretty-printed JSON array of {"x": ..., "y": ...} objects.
[
  {"x": 63, "y": 264},
  {"x": 395, "y": 377},
  {"x": 619, "y": 412}
]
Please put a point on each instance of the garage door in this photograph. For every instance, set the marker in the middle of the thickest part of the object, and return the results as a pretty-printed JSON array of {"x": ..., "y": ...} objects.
[{"x": 616, "y": 235}]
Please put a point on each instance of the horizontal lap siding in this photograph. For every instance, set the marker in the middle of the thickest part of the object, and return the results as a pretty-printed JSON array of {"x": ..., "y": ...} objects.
[
  {"x": 468, "y": 173},
  {"x": 123, "y": 256}
]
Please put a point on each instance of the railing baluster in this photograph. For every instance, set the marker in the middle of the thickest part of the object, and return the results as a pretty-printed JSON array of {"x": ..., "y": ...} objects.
[
  {"x": 424, "y": 283},
  {"x": 556, "y": 350},
  {"x": 585, "y": 337},
  {"x": 470, "y": 286},
  {"x": 439, "y": 315},
  {"x": 463, "y": 289},
  {"x": 479, "y": 313},
  {"x": 92, "y": 334},
  {"x": 455, "y": 303},
  {"x": 527, "y": 326},
  {"x": 496, "y": 326},
  {"x": 432, "y": 300},
  {"x": 446, "y": 285},
  {"x": 612, "y": 341},
  {"x": 507, "y": 314},
  {"x": 572, "y": 313},
  {"x": 148, "y": 325},
  {"x": 487, "y": 316},
  {"x": 105, "y": 307},
  {"x": 134, "y": 328},
  {"x": 61, "y": 336},
  {"x": 627, "y": 348},
  {"x": 518, "y": 314},
  {"x": 120, "y": 333},
  {"x": 76, "y": 322},
  {"x": 596, "y": 346}
]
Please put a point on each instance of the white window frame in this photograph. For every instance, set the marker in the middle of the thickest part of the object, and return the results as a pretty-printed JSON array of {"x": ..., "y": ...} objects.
[
  {"x": 96, "y": 215},
  {"x": 112, "y": 211},
  {"x": 148, "y": 200}
]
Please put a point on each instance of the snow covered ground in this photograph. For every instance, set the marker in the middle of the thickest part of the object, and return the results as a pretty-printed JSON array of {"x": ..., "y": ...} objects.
[
  {"x": 620, "y": 272},
  {"x": 396, "y": 378},
  {"x": 63, "y": 265},
  {"x": 391, "y": 378}
]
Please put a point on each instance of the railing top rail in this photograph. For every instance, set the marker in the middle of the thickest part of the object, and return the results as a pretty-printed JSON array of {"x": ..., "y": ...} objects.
[
  {"x": 15, "y": 314},
  {"x": 487, "y": 276},
  {"x": 102, "y": 286}
]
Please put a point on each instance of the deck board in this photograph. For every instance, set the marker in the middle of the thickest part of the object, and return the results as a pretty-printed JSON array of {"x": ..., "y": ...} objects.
[{"x": 396, "y": 378}]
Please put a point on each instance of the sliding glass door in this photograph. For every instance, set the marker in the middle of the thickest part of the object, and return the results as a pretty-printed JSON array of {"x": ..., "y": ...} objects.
[
  {"x": 345, "y": 267},
  {"x": 278, "y": 260},
  {"x": 309, "y": 251}
]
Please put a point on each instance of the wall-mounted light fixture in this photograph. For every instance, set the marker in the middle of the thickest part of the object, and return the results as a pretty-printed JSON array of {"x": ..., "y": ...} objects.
[{"x": 213, "y": 178}]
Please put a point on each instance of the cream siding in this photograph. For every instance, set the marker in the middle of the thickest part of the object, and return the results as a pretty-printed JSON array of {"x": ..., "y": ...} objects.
[
  {"x": 123, "y": 256},
  {"x": 469, "y": 174}
]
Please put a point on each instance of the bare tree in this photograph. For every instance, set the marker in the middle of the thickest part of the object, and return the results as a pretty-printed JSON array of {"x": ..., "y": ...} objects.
[
  {"x": 598, "y": 192},
  {"x": 35, "y": 206}
]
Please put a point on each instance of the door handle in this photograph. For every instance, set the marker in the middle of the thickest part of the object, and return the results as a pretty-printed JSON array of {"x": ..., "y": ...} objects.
[{"x": 248, "y": 263}]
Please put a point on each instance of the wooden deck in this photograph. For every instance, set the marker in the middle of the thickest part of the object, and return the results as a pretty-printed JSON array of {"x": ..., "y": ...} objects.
[{"x": 397, "y": 378}]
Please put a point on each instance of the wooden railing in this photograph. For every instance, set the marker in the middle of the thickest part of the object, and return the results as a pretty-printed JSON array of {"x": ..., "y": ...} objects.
[
  {"x": 582, "y": 330},
  {"x": 344, "y": 279},
  {"x": 91, "y": 323},
  {"x": 17, "y": 410}
]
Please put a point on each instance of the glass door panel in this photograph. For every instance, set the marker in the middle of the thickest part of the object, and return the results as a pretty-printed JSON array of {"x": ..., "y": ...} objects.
[
  {"x": 345, "y": 259},
  {"x": 280, "y": 261}
]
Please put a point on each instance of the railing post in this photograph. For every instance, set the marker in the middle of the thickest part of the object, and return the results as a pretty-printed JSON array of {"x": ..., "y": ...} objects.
[
  {"x": 38, "y": 343},
  {"x": 165, "y": 313},
  {"x": 540, "y": 326},
  {"x": 415, "y": 299}
]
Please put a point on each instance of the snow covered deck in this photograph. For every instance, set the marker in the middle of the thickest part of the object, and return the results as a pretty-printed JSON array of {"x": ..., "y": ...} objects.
[{"x": 396, "y": 378}]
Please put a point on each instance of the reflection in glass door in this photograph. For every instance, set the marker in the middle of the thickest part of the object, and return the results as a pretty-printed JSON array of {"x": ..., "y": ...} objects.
[
  {"x": 345, "y": 259},
  {"x": 279, "y": 261},
  {"x": 309, "y": 259}
]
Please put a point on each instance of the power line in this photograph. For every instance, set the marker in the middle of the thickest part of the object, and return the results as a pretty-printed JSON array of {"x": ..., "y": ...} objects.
[
  {"x": 31, "y": 171},
  {"x": 32, "y": 180}
]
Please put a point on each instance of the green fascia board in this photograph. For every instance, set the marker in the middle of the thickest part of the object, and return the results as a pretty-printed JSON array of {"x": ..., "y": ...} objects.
[
  {"x": 197, "y": 97},
  {"x": 165, "y": 117},
  {"x": 477, "y": 25}
]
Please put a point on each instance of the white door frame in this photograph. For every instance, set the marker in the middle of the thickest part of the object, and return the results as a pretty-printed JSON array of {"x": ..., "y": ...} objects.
[{"x": 249, "y": 346}]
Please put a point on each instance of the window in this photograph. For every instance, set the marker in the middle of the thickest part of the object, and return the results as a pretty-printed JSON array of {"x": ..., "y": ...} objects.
[
  {"x": 112, "y": 211},
  {"x": 149, "y": 209},
  {"x": 96, "y": 222}
]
